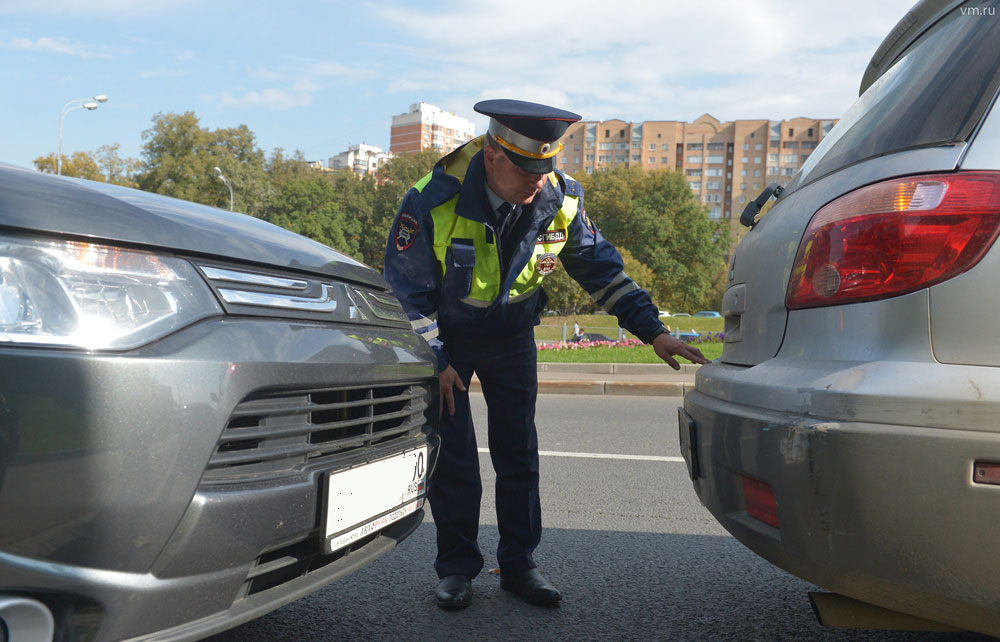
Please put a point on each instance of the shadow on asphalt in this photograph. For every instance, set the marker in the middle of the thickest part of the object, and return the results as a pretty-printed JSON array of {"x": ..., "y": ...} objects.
[{"x": 616, "y": 586}]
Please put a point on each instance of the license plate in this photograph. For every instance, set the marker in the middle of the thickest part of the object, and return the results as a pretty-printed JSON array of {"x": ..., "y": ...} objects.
[{"x": 367, "y": 498}]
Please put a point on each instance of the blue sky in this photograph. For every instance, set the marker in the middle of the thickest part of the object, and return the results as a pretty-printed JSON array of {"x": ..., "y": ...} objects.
[{"x": 318, "y": 76}]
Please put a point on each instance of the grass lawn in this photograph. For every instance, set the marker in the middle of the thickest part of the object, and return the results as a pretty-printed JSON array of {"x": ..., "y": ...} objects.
[{"x": 634, "y": 354}]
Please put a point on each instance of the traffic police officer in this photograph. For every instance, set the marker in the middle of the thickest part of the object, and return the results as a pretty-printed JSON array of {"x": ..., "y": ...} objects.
[{"x": 467, "y": 252}]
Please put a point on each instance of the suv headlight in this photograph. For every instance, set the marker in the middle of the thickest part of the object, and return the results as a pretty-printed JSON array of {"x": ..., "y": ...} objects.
[{"x": 98, "y": 297}]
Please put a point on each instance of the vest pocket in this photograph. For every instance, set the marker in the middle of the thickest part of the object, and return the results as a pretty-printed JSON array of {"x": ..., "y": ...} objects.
[{"x": 461, "y": 261}]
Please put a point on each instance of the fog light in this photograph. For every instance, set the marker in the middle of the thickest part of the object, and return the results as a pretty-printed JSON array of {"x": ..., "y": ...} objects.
[{"x": 760, "y": 502}]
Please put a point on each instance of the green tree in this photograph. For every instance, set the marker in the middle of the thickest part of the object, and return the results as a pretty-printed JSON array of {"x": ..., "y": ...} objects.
[
  {"x": 179, "y": 157},
  {"x": 309, "y": 207},
  {"x": 394, "y": 178},
  {"x": 655, "y": 216},
  {"x": 104, "y": 165}
]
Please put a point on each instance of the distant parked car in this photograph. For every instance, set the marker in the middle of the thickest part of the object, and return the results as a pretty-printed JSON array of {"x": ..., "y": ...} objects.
[
  {"x": 590, "y": 336},
  {"x": 664, "y": 313},
  {"x": 202, "y": 416},
  {"x": 850, "y": 431},
  {"x": 680, "y": 314},
  {"x": 707, "y": 313}
]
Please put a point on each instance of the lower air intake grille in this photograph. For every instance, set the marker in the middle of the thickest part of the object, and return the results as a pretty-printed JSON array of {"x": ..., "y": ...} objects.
[{"x": 276, "y": 432}]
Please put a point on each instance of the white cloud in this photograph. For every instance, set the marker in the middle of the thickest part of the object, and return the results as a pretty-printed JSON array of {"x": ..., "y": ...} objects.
[
  {"x": 653, "y": 59},
  {"x": 163, "y": 72},
  {"x": 61, "y": 46},
  {"x": 270, "y": 98}
]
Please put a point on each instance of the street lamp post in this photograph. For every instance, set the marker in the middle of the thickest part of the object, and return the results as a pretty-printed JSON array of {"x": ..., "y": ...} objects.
[
  {"x": 89, "y": 104},
  {"x": 219, "y": 175}
]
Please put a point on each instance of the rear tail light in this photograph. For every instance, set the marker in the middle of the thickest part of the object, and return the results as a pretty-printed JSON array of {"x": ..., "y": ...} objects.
[
  {"x": 895, "y": 237},
  {"x": 759, "y": 499}
]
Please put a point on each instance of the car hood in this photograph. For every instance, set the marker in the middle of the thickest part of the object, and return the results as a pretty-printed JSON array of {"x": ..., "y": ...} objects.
[{"x": 54, "y": 205}]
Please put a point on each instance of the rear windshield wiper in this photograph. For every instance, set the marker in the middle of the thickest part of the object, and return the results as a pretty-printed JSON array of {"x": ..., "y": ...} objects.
[{"x": 750, "y": 212}]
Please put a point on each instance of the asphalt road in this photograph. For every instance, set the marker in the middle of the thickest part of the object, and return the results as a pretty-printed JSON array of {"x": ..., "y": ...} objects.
[{"x": 635, "y": 554}]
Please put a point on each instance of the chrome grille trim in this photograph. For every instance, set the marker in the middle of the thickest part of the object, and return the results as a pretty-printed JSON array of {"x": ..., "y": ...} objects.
[
  {"x": 327, "y": 302},
  {"x": 250, "y": 278},
  {"x": 275, "y": 433}
]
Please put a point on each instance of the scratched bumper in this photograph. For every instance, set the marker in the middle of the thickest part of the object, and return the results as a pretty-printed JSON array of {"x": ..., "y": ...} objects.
[{"x": 880, "y": 511}]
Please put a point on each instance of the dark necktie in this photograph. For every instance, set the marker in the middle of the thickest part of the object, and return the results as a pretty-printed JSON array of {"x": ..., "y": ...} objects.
[{"x": 507, "y": 216}]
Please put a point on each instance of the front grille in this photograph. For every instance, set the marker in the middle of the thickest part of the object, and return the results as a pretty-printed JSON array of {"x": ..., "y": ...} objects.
[{"x": 276, "y": 432}]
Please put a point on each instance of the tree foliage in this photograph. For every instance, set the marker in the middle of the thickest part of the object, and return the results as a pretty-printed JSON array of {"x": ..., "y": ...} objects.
[
  {"x": 104, "y": 165},
  {"x": 655, "y": 216}
]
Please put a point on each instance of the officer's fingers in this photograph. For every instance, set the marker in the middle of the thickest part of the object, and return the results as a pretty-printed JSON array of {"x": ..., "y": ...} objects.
[
  {"x": 695, "y": 355},
  {"x": 449, "y": 398},
  {"x": 459, "y": 384}
]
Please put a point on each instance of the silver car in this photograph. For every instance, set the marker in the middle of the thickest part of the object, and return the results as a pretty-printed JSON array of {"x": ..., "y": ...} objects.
[
  {"x": 850, "y": 431},
  {"x": 202, "y": 416}
]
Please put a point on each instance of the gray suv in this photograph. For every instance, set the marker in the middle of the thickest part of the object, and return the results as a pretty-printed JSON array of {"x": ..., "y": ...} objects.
[
  {"x": 850, "y": 431},
  {"x": 202, "y": 416}
]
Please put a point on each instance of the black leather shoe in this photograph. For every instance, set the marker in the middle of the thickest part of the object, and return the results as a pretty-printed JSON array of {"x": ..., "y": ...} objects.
[
  {"x": 454, "y": 592},
  {"x": 531, "y": 587}
]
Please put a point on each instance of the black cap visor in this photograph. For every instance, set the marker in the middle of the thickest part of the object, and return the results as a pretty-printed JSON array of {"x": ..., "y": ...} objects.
[{"x": 531, "y": 165}]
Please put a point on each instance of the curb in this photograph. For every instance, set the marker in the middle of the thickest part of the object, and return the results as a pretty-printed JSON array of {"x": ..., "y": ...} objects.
[{"x": 640, "y": 388}]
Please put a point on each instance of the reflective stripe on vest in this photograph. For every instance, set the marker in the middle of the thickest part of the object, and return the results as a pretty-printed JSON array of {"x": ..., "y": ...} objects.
[{"x": 458, "y": 234}]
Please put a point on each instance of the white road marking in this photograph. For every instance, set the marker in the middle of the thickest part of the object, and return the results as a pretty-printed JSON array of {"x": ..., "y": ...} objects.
[{"x": 556, "y": 453}]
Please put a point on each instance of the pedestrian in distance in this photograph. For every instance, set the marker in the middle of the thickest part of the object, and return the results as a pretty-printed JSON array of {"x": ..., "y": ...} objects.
[{"x": 466, "y": 255}]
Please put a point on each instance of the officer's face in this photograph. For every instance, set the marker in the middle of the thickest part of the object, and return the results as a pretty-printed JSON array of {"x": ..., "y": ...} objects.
[{"x": 508, "y": 181}]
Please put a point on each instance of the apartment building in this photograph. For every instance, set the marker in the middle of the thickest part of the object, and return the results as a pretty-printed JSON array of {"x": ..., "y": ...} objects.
[
  {"x": 361, "y": 159},
  {"x": 428, "y": 127},
  {"x": 727, "y": 164}
]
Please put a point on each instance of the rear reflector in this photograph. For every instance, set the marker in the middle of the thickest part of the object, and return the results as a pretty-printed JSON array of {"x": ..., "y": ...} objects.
[
  {"x": 986, "y": 473},
  {"x": 895, "y": 237},
  {"x": 759, "y": 498}
]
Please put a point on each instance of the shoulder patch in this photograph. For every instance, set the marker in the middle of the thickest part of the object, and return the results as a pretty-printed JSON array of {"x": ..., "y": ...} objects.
[
  {"x": 573, "y": 188},
  {"x": 406, "y": 231}
]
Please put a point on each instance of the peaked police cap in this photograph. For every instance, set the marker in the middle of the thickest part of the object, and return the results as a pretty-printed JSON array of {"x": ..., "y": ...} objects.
[{"x": 529, "y": 133}]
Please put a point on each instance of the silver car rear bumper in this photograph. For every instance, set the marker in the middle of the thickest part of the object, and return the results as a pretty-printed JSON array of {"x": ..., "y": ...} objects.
[{"x": 881, "y": 512}]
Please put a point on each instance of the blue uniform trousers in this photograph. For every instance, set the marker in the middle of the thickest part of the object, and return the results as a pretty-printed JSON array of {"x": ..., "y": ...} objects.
[{"x": 507, "y": 371}]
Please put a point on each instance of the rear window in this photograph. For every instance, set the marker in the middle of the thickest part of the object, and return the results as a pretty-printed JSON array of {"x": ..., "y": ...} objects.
[{"x": 935, "y": 94}]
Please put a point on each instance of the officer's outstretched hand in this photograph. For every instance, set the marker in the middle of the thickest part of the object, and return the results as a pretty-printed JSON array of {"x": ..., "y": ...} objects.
[
  {"x": 666, "y": 347},
  {"x": 450, "y": 379}
]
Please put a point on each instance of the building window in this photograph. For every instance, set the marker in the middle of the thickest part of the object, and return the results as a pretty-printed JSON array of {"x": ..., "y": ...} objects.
[
  {"x": 563, "y": 160},
  {"x": 695, "y": 185},
  {"x": 744, "y": 160},
  {"x": 756, "y": 172},
  {"x": 694, "y": 160},
  {"x": 590, "y": 158},
  {"x": 636, "y": 158},
  {"x": 576, "y": 147},
  {"x": 713, "y": 172},
  {"x": 620, "y": 158},
  {"x": 652, "y": 147},
  {"x": 810, "y": 133},
  {"x": 716, "y": 146},
  {"x": 665, "y": 147},
  {"x": 695, "y": 147},
  {"x": 808, "y": 144},
  {"x": 713, "y": 198},
  {"x": 743, "y": 199},
  {"x": 789, "y": 171},
  {"x": 772, "y": 171},
  {"x": 715, "y": 213},
  {"x": 576, "y": 160},
  {"x": 791, "y": 132},
  {"x": 714, "y": 159},
  {"x": 622, "y": 145},
  {"x": 607, "y": 133},
  {"x": 663, "y": 159},
  {"x": 790, "y": 145},
  {"x": 713, "y": 185},
  {"x": 772, "y": 158},
  {"x": 652, "y": 160},
  {"x": 693, "y": 172},
  {"x": 604, "y": 158},
  {"x": 746, "y": 146},
  {"x": 606, "y": 146},
  {"x": 788, "y": 158},
  {"x": 590, "y": 170},
  {"x": 743, "y": 172},
  {"x": 757, "y": 147},
  {"x": 743, "y": 185}
]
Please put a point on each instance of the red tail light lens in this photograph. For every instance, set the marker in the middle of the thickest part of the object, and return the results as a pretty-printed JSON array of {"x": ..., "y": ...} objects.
[
  {"x": 895, "y": 237},
  {"x": 760, "y": 502}
]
